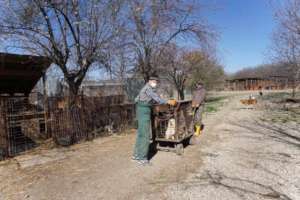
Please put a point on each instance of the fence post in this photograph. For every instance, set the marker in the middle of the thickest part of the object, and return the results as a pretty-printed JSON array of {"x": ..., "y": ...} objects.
[{"x": 3, "y": 131}]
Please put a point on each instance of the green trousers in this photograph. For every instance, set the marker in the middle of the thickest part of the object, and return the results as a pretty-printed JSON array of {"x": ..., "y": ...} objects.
[{"x": 143, "y": 113}]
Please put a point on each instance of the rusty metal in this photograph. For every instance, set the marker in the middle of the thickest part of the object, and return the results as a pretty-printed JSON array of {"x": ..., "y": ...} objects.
[{"x": 183, "y": 116}]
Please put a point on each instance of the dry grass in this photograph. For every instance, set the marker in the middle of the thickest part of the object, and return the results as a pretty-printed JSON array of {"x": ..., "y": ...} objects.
[{"x": 278, "y": 110}]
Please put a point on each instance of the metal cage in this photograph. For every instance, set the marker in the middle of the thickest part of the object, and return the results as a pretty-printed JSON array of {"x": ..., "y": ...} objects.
[
  {"x": 172, "y": 125},
  {"x": 21, "y": 125}
]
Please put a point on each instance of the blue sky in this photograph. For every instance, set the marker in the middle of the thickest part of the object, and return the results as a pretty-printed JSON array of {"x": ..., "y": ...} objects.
[{"x": 245, "y": 28}]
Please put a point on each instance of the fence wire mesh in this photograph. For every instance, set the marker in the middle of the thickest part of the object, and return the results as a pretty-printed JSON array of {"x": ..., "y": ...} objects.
[
  {"x": 89, "y": 118},
  {"x": 23, "y": 125}
]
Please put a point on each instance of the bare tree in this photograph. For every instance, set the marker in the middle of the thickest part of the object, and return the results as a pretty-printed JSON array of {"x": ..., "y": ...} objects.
[
  {"x": 287, "y": 53},
  {"x": 174, "y": 68},
  {"x": 183, "y": 68},
  {"x": 153, "y": 24},
  {"x": 122, "y": 63},
  {"x": 205, "y": 68},
  {"x": 261, "y": 71},
  {"x": 74, "y": 34},
  {"x": 286, "y": 40}
]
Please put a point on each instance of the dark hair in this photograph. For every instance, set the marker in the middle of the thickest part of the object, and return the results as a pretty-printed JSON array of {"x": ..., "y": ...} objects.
[
  {"x": 154, "y": 76},
  {"x": 200, "y": 83}
]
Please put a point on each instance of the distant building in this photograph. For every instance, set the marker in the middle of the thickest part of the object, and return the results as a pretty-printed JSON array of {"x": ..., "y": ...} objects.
[
  {"x": 257, "y": 83},
  {"x": 107, "y": 92},
  {"x": 102, "y": 88}
]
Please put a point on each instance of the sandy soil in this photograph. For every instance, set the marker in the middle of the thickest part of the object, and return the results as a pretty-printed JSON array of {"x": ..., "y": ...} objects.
[{"x": 238, "y": 157}]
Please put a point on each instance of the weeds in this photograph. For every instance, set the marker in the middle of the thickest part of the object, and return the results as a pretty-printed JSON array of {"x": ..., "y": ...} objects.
[
  {"x": 278, "y": 110},
  {"x": 213, "y": 104}
]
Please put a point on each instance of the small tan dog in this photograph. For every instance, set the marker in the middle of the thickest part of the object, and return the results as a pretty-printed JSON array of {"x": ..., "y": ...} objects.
[{"x": 249, "y": 101}]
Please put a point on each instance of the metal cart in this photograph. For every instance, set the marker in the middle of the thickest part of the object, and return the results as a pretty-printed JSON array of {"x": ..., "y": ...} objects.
[{"x": 172, "y": 126}]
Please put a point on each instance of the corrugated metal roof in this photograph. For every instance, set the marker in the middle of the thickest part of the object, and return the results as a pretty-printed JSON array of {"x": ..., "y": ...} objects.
[{"x": 20, "y": 73}]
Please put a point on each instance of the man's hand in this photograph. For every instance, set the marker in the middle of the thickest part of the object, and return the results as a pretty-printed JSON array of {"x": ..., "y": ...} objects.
[
  {"x": 172, "y": 102},
  {"x": 195, "y": 105}
]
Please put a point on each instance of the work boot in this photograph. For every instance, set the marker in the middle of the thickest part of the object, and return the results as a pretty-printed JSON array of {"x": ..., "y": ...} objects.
[
  {"x": 134, "y": 158},
  {"x": 198, "y": 131},
  {"x": 144, "y": 162}
]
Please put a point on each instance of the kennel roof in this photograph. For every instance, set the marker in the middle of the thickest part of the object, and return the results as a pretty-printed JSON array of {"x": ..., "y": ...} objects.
[{"x": 20, "y": 73}]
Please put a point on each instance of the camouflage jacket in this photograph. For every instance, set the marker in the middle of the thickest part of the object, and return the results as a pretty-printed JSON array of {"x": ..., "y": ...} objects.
[
  {"x": 198, "y": 97},
  {"x": 149, "y": 95}
]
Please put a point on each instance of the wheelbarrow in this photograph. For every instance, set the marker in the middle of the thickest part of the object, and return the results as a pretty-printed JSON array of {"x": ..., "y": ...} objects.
[{"x": 172, "y": 126}]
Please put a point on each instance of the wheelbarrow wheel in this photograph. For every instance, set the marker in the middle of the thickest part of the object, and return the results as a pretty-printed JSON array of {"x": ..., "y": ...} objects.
[{"x": 179, "y": 149}]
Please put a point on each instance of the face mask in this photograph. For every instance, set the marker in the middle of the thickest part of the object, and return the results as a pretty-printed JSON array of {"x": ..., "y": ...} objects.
[
  {"x": 199, "y": 86},
  {"x": 153, "y": 85}
]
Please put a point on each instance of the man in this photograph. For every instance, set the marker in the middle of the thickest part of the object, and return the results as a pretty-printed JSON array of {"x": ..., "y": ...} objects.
[
  {"x": 146, "y": 98},
  {"x": 198, "y": 106},
  {"x": 260, "y": 91}
]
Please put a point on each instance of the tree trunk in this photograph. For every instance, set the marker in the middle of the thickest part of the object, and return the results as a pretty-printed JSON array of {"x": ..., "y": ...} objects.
[
  {"x": 73, "y": 112},
  {"x": 73, "y": 94},
  {"x": 294, "y": 89}
]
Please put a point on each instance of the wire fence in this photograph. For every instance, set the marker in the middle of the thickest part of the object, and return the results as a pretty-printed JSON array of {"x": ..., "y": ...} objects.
[
  {"x": 23, "y": 125},
  {"x": 89, "y": 118}
]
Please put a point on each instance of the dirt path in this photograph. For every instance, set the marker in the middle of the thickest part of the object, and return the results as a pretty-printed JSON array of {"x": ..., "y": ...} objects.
[
  {"x": 247, "y": 159},
  {"x": 232, "y": 161}
]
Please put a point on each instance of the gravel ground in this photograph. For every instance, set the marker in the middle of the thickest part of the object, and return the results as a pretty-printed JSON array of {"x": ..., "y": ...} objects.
[{"x": 251, "y": 159}]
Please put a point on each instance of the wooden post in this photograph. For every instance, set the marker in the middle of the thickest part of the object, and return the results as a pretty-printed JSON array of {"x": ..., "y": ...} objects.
[
  {"x": 4, "y": 143},
  {"x": 46, "y": 106}
]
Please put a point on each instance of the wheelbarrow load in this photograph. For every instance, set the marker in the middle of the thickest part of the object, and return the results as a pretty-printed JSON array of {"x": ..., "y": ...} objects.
[{"x": 172, "y": 126}]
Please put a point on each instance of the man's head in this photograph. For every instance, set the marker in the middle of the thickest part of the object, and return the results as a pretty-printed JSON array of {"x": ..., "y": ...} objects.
[
  {"x": 153, "y": 81},
  {"x": 199, "y": 84}
]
